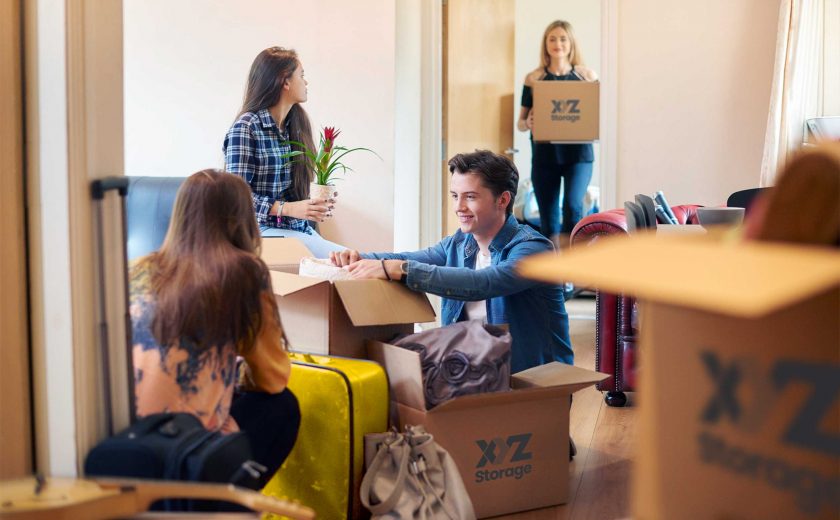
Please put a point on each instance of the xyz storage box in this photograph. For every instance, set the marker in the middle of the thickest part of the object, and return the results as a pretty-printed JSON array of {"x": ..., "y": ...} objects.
[
  {"x": 511, "y": 448},
  {"x": 740, "y": 395},
  {"x": 566, "y": 111}
]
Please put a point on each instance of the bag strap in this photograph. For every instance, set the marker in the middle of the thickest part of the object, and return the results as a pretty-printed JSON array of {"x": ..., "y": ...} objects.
[
  {"x": 443, "y": 504},
  {"x": 367, "y": 482},
  {"x": 418, "y": 466}
]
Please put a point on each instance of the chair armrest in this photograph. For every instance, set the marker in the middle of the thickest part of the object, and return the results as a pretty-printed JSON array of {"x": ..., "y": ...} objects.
[{"x": 613, "y": 221}]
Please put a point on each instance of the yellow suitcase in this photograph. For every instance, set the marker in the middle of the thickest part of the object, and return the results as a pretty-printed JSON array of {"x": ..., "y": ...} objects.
[{"x": 341, "y": 400}]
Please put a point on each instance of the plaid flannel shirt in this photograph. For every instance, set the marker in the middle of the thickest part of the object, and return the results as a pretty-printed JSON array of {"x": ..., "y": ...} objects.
[{"x": 253, "y": 148}]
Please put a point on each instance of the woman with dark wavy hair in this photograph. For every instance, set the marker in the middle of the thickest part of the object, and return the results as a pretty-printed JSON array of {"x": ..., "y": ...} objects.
[
  {"x": 199, "y": 302},
  {"x": 256, "y": 144}
]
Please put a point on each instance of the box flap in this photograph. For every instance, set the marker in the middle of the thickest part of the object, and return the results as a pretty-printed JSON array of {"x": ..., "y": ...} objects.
[
  {"x": 282, "y": 251},
  {"x": 285, "y": 284},
  {"x": 405, "y": 374},
  {"x": 379, "y": 302},
  {"x": 747, "y": 279},
  {"x": 556, "y": 374}
]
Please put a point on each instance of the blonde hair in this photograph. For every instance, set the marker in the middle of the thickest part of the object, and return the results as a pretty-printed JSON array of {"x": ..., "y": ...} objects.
[{"x": 574, "y": 54}]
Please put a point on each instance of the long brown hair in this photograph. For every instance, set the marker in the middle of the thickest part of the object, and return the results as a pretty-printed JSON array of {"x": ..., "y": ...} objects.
[
  {"x": 271, "y": 69},
  {"x": 208, "y": 277},
  {"x": 575, "y": 57}
]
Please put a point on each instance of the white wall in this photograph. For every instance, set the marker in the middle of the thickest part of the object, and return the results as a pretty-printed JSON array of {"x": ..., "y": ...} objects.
[
  {"x": 407, "y": 136},
  {"x": 50, "y": 252},
  {"x": 694, "y": 92},
  {"x": 186, "y": 64},
  {"x": 532, "y": 17}
]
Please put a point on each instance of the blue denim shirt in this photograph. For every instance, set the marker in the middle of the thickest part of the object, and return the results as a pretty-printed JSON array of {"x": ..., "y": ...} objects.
[{"x": 535, "y": 311}]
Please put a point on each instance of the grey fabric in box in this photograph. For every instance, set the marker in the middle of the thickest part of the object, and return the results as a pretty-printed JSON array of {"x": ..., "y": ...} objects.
[{"x": 467, "y": 357}]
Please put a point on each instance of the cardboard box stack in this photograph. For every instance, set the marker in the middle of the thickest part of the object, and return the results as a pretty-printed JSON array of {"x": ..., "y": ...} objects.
[{"x": 740, "y": 390}]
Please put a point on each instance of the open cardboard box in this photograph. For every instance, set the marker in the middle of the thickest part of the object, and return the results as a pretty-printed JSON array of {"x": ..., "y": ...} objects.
[
  {"x": 740, "y": 390},
  {"x": 336, "y": 318},
  {"x": 511, "y": 448},
  {"x": 283, "y": 254}
]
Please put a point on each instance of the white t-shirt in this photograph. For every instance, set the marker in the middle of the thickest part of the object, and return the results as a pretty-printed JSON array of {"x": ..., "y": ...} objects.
[{"x": 478, "y": 310}]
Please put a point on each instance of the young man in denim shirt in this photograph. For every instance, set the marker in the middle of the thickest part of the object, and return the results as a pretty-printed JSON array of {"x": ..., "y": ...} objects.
[{"x": 474, "y": 270}]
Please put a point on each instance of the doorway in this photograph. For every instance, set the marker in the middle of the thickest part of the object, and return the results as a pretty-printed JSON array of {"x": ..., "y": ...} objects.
[
  {"x": 478, "y": 67},
  {"x": 488, "y": 48}
]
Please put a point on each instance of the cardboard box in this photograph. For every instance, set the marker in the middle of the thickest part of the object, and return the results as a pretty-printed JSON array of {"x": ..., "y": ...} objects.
[
  {"x": 511, "y": 448},
  {"x": 283, "y": 254},
  {"x": 566, "y": 111},
  {"x": 336, "y": 318},
  {"x": 740, "y": 392}
]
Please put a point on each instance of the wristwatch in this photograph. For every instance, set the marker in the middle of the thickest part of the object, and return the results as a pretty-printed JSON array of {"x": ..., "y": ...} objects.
[{"x": 404, "y": 271}]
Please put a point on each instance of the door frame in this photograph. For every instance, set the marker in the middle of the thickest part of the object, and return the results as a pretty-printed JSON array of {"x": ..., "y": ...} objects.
[
  {"x": 432, "y": 150},
  {"x": 16, "y": 450},
  {"x": 74, "y": 133}
]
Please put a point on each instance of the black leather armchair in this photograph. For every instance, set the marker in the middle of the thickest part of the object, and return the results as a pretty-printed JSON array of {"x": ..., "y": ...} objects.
[{"x": 148, "y": 208}]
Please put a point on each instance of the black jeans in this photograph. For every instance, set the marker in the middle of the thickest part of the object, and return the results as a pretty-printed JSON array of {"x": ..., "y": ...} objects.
[
  {"x": 271, "y": 422},
  {"x": 575, "y": 178}
]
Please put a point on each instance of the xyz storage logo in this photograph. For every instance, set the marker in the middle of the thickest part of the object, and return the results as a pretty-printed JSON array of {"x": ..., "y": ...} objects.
[
  {"x": 743, "y": 395},
  {"x": 506, "y": 458},
  {"x": 565, "y": 110}
]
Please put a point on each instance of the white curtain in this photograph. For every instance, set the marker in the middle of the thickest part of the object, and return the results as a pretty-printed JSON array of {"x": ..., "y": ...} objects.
[{"x": 795, "y": 95}]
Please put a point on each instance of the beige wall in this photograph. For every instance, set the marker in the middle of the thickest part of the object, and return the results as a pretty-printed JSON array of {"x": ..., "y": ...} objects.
[
  {"x": 694, "y": 91},
  {"x": 186, "y": 63}
]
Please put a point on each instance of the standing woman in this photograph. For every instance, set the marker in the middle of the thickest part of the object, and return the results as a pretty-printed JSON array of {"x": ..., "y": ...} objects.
[
  {"x": 254, "y": 146},
  {"x": 199, "y": 302},
  {"x": 551, "y": 164}
]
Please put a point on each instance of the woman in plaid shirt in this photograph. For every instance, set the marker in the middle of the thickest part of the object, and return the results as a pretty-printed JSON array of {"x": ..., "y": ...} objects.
[{"x": 271, "y": 116}]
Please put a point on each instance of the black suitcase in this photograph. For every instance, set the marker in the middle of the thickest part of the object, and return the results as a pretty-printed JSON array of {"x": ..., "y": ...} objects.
[{"x": 163, "y": 446}]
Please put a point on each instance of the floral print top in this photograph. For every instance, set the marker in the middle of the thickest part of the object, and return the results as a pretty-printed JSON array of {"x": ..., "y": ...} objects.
[{"x": 183, "y": 378}]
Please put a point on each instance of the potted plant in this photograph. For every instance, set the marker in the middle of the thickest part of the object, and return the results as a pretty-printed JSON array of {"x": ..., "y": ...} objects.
[{"x": 325, "y": 163}]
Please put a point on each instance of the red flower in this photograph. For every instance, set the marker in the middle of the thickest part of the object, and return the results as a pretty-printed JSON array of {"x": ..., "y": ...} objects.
[{"x": 330, "y": 135}]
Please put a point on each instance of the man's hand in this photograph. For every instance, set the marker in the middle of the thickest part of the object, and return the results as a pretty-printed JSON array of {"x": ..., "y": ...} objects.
[
  {"x": 373, "y": 269},
  {"x": 309, "y": 209},
  {"x": 344, "y": 258}
]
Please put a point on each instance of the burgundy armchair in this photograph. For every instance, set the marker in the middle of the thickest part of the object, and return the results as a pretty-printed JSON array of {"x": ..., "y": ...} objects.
[{"x": 615, "y": 314}]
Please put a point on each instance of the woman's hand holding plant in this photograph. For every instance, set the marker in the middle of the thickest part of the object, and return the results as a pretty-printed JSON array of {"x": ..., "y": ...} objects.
[{"x": 308, "y": 209}]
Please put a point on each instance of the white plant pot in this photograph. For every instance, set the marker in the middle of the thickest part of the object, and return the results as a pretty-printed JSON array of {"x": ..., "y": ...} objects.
[{"x": 320, "y": 191}]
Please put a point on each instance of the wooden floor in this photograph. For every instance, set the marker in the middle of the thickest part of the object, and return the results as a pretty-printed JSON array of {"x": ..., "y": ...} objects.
[{"x": 605, "y": 437}]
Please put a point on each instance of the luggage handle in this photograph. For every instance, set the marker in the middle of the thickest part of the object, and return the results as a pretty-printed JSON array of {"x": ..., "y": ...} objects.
[{"x": 99, "y": 188}]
